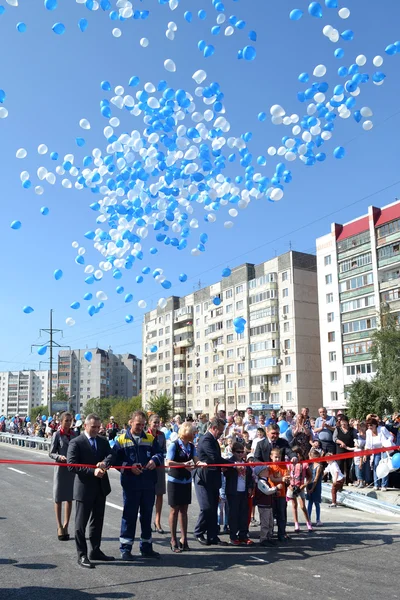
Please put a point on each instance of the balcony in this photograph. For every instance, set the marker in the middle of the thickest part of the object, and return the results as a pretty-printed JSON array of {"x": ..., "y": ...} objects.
[
  {"x": 184, "y": 343},
  {"x": 186, "y": 328},
  {"x": 183, "y": 314},
  {"x": 181, "y": 403}
]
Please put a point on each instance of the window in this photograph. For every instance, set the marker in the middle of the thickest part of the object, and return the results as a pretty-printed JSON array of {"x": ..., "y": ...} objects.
[
  {"x": 230, "y": 384},
  {"x": 285, "y": 276},
  {"x": 215, "y": 358},
  {"x": 262, "y": 313},
  {"x": 289, "y": 397},
  {"x": 391, "y": 295},
  {"x": 328, "y": 279},
  {"x": 285, "y": 309},
  {"x": 230, "y": 369},
  {"x": 239, "y": 305},
  {"x": 205, "y": 306},
  {"x": 197, "y": 335},
  {"x": 239, "y": 289},
  {"x": 228, "y": 294},
  {"x": 197, "y": 322},
  {"x": 241, "y": 383},
  {"x": 360, "y": 325},
  {"x": 268, "y": 295},
  {"x": 357, "y": 348},
  {"x": 329, "y": 298},
  {"x": 240, "y": 352},
  {"x": 330, "y": 317},
  {"x": 331, "y": 336},
  {"x": 288, "y": 378},
  {"x": 229, "y": 353},
  {"x": 388, "y": 228},
  {"x": 206, "y": 347},
  {"x": 357, "y": 303},
  {"x": 241, "y": 368},
  {"x": 259, "y": 346},
  {"x": 160, "y": 331},
  {"x": 198, "y": 308},
  {"x": 360, "y": 369},
  {"x": 357, "y": 261},
  {"x": 285, "y": 292},
  {"x": 286, "y": 344},
  {"x": 229, "y": 323},
  {"x": 333, "y": 375},
  {"x": 229, "y": 338},
  {"x": 286, "y": 327},
  {"x": 389, "y": 251},
  {"x": 269, "y": 328},
  {"x": 332, "y": 356},
  {"x": 354, "y": 241},
  {"x": 229, "y": 308},
  {"x": 327, "y": 260},
  {"x": 288, "y": 361},
  {"x": 334, "y": 396},
  {"x": 356, "y": 282}
]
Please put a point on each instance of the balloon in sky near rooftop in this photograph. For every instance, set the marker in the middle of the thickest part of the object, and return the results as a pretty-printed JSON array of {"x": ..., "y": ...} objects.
[
  {"x": 16, "y": 225},
  {"x": 88, "y": 355},
  {"x": 59, "y": 28},
  {"x": 27, "y": 310},
  {"x": 58, "y": 274},
  {"x": 42, "y": 350}
]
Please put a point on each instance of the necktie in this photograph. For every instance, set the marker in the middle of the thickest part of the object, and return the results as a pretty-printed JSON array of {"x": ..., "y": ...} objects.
[
  {"x": 93, "y": 444},
  {"x": 274, "y": 444}
]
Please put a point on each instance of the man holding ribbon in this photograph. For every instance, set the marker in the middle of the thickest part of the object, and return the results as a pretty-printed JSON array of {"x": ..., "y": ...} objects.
[
  {"x": 140, "y": 452},
  {"x": 91, "y": 487}
]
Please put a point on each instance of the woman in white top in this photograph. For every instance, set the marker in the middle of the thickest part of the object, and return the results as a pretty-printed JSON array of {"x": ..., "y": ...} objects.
[
  {"x": 333, "y": 469},
  {"x": 377, "y": 437}
]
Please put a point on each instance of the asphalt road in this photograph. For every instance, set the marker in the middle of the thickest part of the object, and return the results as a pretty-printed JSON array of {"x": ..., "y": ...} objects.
[{"x": 354, "y": 554}]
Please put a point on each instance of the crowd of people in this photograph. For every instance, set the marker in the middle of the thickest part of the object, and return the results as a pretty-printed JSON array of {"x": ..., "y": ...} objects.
[{"x": 229, "y": 493}]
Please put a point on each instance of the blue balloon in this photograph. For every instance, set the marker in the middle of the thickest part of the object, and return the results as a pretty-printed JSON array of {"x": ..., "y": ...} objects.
[
  {"x": 202, "y": 14},
  {"x": 88, "y": 296},
  {"x": 58, "y": 28},
  {"x": 91, "y": 310},
  {"x": 209, "y": 51},
  {"x": 129, "y": 318},
  {"x": 16, "y": 225},
  {"x": 106, "y": 86},
  {"x": 21, "y": 27},
  {"x": 57, "y": 274},
  {"x": 153, "y": 349},
  {"x": 226, "y": 272},
  {"x": 128, "y": 298},
  {"x": 50, "y": 4},
  {"x": 2, "y": 96},
  {"x": 217, "y": 301},
  {"x": 78, "y": 417},
  {"x": 295, "y": 14},
  {"x": 27, "y": 310},
  {"x": 44, "y": 210},
  {"x": 28, "y": 419},
  {"x": 183, "y": 277},
  {"x": 396, "y": 460},
  {"x": 166, "y": 284},
  {"x": 304, "y": 77},
  {"x": 88, "y": 355},
  {"x": 42, "y": 350},
  {"x": 253, "y": 36},
  {"x": 75, "y": 305},
  {"x": 347, "y": 35},
  {"x": 262, "y": 116},
  {"x": 80, "y": 141},
  {"x": 44, "y": 418},
  {"x": 249, "y": 53},
  {"x": 188, "y": 16},
  {"x": 339, "y": 152},
  {"x": 315, "y": 10},
  {"x": 119, "y": 289},
  {"x": 331, "y": 3},
  {"x": 83, "y": 24},
  {"x": 339, "y": 53}
]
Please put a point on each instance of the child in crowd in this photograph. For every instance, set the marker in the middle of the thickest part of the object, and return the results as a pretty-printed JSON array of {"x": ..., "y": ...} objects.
[
  {"x": 279, "y": 476},
  {"x": 251, "y": 515},
  {"x": 239, "y": 486},
  {"x": 316, "y": 445},
  {"x": 337, "y": 479},
  {"x": 222, "y": 508},
  {"x": 265, "y": 504},
  {"x": 300, "y": 477},
  {"x": 314, "y": 489}
]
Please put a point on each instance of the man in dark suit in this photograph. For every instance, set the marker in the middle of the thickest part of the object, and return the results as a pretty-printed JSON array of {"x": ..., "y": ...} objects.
[
  {"x": 91, "y": 488},
  {"x": 207, "y": 484},
  {"x": 264, "y": 447}
]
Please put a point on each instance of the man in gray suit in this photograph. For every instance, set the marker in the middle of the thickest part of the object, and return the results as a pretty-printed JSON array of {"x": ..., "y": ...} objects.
[{"x": 91, "y": 487}]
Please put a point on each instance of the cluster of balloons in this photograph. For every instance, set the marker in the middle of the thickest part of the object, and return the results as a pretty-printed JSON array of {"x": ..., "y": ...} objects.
[
  {"x": 3, "y": 110},
  {"x": 239, "y": 324}
]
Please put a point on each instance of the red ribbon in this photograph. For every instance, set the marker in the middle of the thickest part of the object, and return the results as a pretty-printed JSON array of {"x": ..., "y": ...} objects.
[{"x": 333, "y": 457}]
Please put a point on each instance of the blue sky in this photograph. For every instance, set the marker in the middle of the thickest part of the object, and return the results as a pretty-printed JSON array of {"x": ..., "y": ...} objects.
[{"x": 53, "y": 81}]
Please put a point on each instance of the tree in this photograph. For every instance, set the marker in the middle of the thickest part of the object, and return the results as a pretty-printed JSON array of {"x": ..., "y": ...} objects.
[
  {"x": 366, "y": 398},
  {"x": 162, "y": 406},
  {"x": 124, "y": 408},
  {"x": 38, "y": 410},
  {"x": 386, "y": 357},
  {"x": 61, "y": 395}
]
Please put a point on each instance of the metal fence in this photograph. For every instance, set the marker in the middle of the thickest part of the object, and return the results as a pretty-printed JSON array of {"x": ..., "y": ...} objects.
[{"x": 25, "y": 441}]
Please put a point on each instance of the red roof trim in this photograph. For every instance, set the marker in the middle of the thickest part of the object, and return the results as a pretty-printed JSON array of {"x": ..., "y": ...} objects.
[
  {"x": 388, "y": 214},
  {"x": 354, "y": 228}
]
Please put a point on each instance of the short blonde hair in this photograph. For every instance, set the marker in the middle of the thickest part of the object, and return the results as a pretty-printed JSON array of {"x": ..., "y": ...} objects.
[{"x": 185, "y": 429}]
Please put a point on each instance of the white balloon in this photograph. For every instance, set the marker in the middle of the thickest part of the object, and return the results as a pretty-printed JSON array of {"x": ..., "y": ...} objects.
[
  {"x": 367, "y": 125},
  {"x": 116, "y": 32},
  {"x": 319, "y": 71},
  {"x": 327, "y": 30},
  {"x": 277, "y": 111},
  {"x": 276, "y": 120},
  {"x": 334, "y": 37},
  {"x": 276, "y": 194},
  {"x": 39, "y": 190},
  {"x": 173, "y": 26},
  {"x": 170, "y": 34},
  {"x": 21, "y": 153},
  {"x": 75, "y": 245},
  {"x": 361, "y": 60},
  {"x": 144, "y": 42},
  {"x": 84, "y": 124},
  {"x": 344, "y": 13},
  {"x": 233, "y": 212},
  {"x": 70, "y": 322},
  {"x": 142, "y": 304},
  {"x": 378, "y": 61},
  {"x": 169, "y": 65},
  {"x": 3, "y": 112},
  {"x": 42, "y": 149},
  {"x": 228, "y": 224},
  {"x": 162, "y": 303},
  {"x": 290, "y": 156},
  {"x": 199, "y": 76},
  {"x": 102, "y": 296},
  {"x": 366, "y": 111},
  {"x": 271, "y": 151},
  {"x": 229, "y": 30}
]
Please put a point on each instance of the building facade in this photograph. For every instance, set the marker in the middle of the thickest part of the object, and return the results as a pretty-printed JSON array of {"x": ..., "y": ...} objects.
[
  {"x": 358, "y": 273},
  {"x": 107, "y": 374},
  {"x": 192, "y": 353},
  {"x": 20, "y": 391}
]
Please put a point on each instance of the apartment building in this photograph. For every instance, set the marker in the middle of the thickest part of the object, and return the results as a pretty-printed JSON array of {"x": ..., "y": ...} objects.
[
  {"x": 20, "y": 391},
  {"x": 358, "y": 271},
  {"x": 107, "y": 374},
  {"x": 200, "y": 361}
]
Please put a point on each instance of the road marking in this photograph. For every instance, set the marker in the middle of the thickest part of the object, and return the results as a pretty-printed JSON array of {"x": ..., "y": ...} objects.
[
  {"x": 114, "y": 506},
  {"x": 259, "y": 559},
  {"x": 17, "y": 471}
]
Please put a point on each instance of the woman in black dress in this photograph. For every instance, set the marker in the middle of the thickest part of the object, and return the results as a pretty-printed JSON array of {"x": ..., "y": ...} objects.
[
  {"x": 179, "y": 487},
  {"x": 63, "y": 479},
  {"x": 344, "y": 437},
  {"x": 154, "y": 429}
]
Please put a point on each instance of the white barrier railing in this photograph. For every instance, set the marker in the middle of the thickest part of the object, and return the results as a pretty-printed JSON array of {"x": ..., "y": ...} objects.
[{"x": 26, "y": 441}]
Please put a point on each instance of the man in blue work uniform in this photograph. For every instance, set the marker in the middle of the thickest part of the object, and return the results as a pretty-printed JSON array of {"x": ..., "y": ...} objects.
[{"x": 142, "y": 453}]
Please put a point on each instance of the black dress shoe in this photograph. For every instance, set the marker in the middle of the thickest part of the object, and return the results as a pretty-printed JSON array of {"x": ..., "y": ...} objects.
[
  {"x": 83, "y": 561},
  {"x": 218, "y": 542},
  {"x": 203, "y": 541},
  {"x": 151, "y": 554},
  {"x": 100, "y": 556}
]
